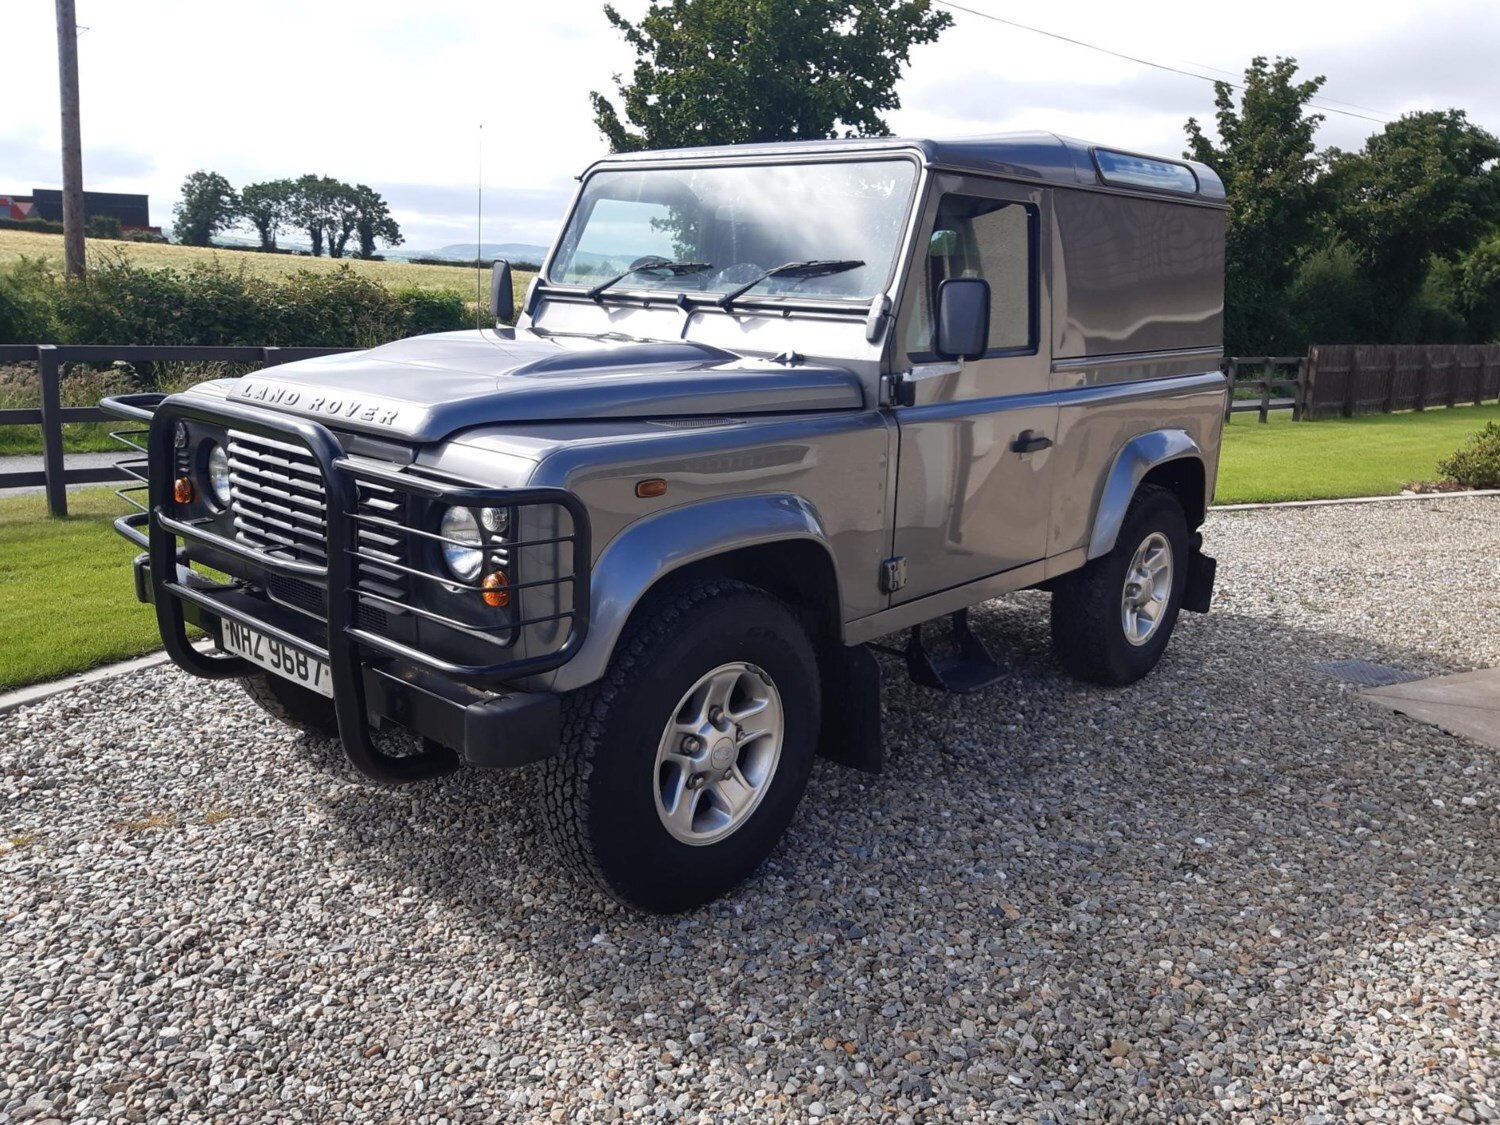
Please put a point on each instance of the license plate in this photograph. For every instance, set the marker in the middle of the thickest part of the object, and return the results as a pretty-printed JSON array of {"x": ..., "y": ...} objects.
[{"x": 273, "y": 656}]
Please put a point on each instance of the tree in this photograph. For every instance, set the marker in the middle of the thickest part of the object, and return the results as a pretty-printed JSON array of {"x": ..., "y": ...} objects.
[
  {"x": 1266, "y": 157},
  {"x": 1479, "y": 289},
  {"x": 268, "y": 208},
  {"x": 343, "y": 217},
  {"x": 373, "y": 221},
  {"x": 1426, "y": 187},
  {"x": 730, "y": 71},
  {"x": 323, "y": 207},
  {"x": 208, "y": 205},
  {"x": 308, "y": 208}
]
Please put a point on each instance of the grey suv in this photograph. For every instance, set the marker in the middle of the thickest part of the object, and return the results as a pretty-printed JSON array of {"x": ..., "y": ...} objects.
[{"x": 762, "y": 406}]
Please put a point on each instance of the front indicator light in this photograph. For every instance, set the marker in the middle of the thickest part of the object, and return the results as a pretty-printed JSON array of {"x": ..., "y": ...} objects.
[
  {"x": 496, "y": 589},
  {"x": 182, "y": 490}
]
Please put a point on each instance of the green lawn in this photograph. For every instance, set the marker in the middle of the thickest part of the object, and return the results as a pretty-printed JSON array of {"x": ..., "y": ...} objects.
[
  {"x": 1372, "y": 455},
  {"x": 66, "y": 600}
]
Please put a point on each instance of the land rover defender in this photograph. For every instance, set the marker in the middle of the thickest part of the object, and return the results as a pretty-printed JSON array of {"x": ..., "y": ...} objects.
[{"x": 763, "y": 406}]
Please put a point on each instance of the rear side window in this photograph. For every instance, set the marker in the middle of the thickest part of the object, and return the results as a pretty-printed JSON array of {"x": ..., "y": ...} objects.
[
  {"x": 1125, "y": 170},
  {"x": 990, "y": 238}
]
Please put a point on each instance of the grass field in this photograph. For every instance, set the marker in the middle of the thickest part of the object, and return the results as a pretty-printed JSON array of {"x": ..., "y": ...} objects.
[
  {"x": 66, "y": 600},
  {"x": 1372, "y": 455},
  {"x": 395, "y": 275}
]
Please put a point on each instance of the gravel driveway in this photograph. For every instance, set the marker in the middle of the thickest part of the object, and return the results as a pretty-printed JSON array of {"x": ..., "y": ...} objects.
[{"x": 1233, "y": 891}]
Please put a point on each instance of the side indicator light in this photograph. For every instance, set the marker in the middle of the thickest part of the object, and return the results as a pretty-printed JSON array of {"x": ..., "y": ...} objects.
[
  {"x": 182, "y": 490},
  {"x": 496, "y": 589},
  {"x": 647, "y": 489}
]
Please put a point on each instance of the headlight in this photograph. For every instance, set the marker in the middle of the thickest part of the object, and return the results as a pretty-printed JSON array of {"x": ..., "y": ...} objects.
[
  {"x": 218, "y": 474},
  {"x": 462, "y": 560}
]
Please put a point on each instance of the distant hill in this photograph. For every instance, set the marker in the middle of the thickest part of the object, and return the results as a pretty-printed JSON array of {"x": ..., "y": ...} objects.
[{"x": 467, "y": 252}]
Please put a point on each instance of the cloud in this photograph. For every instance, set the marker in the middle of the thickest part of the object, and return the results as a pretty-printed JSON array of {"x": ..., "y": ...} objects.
[
  {"x": 28, "y": 162},
  {"x": 391, "y": 94}
]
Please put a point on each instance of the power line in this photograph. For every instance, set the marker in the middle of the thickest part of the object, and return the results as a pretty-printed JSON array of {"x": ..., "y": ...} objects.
[{"x": 1139, "y": 61}]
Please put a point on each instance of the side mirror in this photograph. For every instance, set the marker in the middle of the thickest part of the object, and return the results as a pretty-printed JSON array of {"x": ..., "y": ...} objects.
[
  {"x": 963, "y": 318},
  {"x": 502, "y": 295}
]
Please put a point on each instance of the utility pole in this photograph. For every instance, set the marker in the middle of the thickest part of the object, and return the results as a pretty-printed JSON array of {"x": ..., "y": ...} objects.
[{"x": 72, "y": 142}]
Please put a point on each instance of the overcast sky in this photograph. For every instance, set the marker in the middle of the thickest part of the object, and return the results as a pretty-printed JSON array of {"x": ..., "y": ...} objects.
[{"x": 392, "y": 93}]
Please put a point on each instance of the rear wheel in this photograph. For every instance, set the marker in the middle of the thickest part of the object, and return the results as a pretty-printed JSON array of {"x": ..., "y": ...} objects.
[
  {"x": 292, "y": 704},
  {"x": 681, "y": 769},
  {"x": 1111, "y": 620}
]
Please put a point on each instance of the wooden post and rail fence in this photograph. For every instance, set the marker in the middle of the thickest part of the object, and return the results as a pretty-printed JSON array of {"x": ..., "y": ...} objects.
[
  {"x": 1332, "y": 380},
  {"x": 50, "y": 415}
]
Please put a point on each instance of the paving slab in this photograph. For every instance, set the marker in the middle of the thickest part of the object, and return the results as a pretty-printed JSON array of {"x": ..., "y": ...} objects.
[{"x": 1466, "y": 704}]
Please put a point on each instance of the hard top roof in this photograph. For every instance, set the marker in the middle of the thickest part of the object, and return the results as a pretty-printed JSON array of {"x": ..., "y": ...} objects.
[{"x": 1026, "y": 156}]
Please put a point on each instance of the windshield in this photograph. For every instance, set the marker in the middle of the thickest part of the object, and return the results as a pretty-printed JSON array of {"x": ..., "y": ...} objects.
[{"x": 739, "y": 222}]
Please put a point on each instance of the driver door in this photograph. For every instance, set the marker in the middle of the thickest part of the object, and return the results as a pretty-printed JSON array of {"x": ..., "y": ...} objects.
[{"x": 974, "y": 477}]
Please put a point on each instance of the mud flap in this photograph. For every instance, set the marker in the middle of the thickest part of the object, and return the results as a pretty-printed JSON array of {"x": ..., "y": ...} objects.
[
  {"x": 851, "y": 734},
  {"x": 1198, "y": 592}
]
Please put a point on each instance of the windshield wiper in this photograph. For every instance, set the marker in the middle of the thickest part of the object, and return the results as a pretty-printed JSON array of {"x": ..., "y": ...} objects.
[
  {"x": 677, "y": 269},
  {"x": 818, "y": 267}
]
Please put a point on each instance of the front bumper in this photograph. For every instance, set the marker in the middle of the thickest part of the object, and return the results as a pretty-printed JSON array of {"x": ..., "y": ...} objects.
[
  {"x": 486, "y": 729},
  {"x": 461, "y": 711}
]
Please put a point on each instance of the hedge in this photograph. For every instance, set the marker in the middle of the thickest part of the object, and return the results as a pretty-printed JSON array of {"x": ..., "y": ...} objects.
[
  {"x": 209, "y": 303},
  {"x": 36, "y": 226}
]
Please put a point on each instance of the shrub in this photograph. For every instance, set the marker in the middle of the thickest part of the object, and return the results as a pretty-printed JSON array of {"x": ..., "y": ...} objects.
[
  {"x": 36, "y": 226},
  {"x": 1476, "y": 463},
  {"x": 429, "y": 310},
  {"x": 104, "y": 226},
  {"x": 28, "y": 288},
  {"x": 209, "y": 303}
]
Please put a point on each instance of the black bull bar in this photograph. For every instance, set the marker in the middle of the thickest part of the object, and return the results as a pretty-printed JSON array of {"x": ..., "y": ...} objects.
[{"x": 396, "y": 667}]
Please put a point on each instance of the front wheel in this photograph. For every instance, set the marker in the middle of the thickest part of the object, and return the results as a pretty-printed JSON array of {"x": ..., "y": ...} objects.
[
  {"x": 1111, "y": 620},
  {"x": 681, "y": 769}
]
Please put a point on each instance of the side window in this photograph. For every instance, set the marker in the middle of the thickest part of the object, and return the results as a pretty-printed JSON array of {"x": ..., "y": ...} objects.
[{"x": 990, "y": 238}]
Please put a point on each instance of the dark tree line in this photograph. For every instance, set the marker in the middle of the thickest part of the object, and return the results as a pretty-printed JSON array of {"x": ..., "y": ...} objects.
[
  {"x": 1397, "y": 242},
  {"x": 330, "y": 212}
]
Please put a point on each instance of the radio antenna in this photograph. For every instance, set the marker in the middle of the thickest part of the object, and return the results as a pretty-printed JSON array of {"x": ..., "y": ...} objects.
[{"x": 479, "y": 237}]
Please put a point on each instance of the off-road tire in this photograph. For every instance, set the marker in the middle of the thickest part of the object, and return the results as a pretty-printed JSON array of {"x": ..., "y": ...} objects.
[
  {"x": 292, "y": 704},
  {"x": 1088, "y": 635},
  {"x": 597, "y": 793}
]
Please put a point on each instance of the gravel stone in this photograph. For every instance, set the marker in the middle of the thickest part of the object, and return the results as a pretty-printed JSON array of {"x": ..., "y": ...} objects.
[{"x": 1234, "y": 891}]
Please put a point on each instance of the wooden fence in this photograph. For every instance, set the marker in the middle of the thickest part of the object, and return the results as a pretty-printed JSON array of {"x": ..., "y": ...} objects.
[
  {"x": 1280, "y": 379},
  {"x": 51, "y": 414},
  {"x": 1348, "y": 379}
]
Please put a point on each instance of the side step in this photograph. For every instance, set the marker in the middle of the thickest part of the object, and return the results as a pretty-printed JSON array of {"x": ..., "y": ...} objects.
[{"x": 967, "y": 667}]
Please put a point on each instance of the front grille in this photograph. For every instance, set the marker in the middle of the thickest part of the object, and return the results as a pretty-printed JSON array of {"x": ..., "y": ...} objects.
[
  {"x": 376, "y": 546},
  {"x": 277, "y": 498},
  {"x": 280, "y": 507}
]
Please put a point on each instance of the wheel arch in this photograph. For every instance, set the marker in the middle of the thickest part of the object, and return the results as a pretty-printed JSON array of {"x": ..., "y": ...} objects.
[
  {"x": 1169, "y": 458},
  {"x": 774, "y": 541}
]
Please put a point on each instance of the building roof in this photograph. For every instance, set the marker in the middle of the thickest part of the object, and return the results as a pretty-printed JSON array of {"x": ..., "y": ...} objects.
[{"x": 1045, "y": 157}]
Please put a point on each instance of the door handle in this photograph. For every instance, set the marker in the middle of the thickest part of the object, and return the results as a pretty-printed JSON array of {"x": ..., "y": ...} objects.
[{"x": 1029, "y": 441}]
